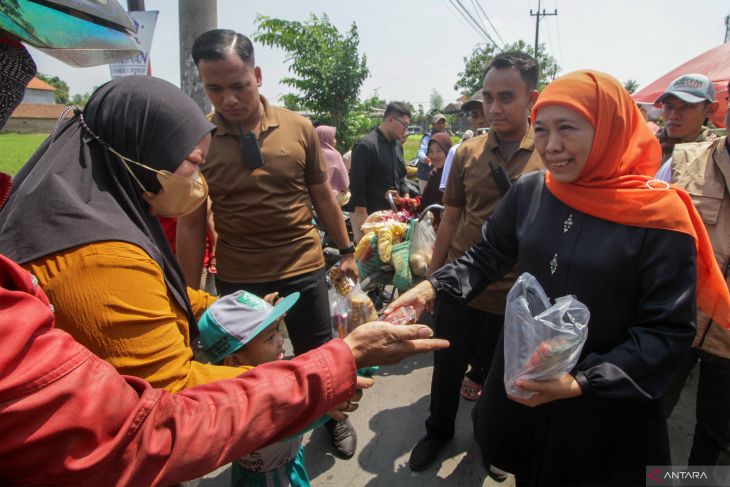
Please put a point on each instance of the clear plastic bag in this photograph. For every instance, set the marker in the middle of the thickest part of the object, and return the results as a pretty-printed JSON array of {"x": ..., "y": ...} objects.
[
  {"x": 362, "y": 309},
  {"x": 339, "y": 313},
  {"x": 422, "y": 241},
  {"x": 541, "y": 341},
  {"x": 350, "y": 307}
]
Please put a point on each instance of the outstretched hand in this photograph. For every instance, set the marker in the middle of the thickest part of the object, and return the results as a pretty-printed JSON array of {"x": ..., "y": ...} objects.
[
  {"x": 381, "y": 343},
  {"x": 418, "y": 297}
]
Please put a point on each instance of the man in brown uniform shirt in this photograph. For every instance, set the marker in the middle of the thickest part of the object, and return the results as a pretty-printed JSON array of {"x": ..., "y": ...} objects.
[
  {"x": 479, "y": 175},
  {"x": 266, "y": 174}
]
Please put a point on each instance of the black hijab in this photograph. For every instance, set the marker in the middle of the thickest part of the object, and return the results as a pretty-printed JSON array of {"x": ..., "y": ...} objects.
[{"x": 73, "y": 191}]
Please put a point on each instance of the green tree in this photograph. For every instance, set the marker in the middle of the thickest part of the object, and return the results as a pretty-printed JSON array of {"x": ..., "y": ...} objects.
[
  {"x": 61, "y": 94},
  {"x": 360, "y": 120},
  {"x": 291, "y": 102},
  {"x": 420, "y": 117},
  {"x": 328, "y": 71},
  {"x": 631, "y": 85},
  {"x": 437, "y": 101},
  {"x": 472, "y": 78},
  {"x": 80, "y": 100}
]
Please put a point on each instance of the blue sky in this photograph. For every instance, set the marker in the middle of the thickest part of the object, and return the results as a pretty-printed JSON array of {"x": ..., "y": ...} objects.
[{"x": 414, "y": 47}]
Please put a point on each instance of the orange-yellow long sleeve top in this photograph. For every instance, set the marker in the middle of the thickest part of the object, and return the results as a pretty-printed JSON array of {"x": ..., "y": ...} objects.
[{"x": 111, "y": 296}]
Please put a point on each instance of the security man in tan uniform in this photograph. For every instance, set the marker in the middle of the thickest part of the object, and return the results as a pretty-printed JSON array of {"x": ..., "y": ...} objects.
[
  {"x": 266, "y": 174},
  {"x": 481, "y": 172}
]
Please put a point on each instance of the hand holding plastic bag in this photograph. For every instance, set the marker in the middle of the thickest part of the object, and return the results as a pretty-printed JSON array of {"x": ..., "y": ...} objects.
[{"x": 541, "y": 341}]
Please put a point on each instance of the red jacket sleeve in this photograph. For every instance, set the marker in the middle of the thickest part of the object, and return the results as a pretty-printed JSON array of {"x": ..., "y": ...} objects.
[{"x": 68, "y": 418}]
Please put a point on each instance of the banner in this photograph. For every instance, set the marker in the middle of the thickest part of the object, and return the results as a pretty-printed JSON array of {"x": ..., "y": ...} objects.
[{"x": 145, "y": 21}]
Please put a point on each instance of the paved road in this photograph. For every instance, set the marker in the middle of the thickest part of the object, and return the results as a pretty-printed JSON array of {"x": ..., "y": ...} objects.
[{"x": 390, "y": 421}]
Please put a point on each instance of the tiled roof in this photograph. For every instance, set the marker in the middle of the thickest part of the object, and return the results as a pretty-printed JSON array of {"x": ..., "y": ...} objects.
[
  {"x": 39, "y": 84},
  {"x": 37, "y": 110}
]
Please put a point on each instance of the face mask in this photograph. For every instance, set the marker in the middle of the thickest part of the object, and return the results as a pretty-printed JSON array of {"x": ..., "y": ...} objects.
[
  {"x": 16, "y": 70},
  {"x": 179, "y": 195}
]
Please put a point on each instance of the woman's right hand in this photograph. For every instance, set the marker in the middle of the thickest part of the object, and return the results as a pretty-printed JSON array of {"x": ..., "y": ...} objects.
[
  {"x": 380, "y": 343},
  {"x": 419, "y": 297}
]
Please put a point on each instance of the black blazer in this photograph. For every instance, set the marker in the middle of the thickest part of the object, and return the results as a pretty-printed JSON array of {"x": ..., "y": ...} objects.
[{"x": 639, "y": 285}]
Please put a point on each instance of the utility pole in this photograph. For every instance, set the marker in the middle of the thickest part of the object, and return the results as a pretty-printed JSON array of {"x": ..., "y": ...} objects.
[
  {"x": 538, "y": 15},
  {"x": 727, "y": 28},
  {"x": 195, "y": 17},
  {"x": 133, "y": 5}
]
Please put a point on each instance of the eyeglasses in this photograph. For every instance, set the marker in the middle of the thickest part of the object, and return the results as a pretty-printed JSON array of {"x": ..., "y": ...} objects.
[{"x": 403, "y": 124}]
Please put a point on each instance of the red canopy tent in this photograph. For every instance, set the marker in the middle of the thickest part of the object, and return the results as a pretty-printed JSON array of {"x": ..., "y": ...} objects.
[{"x": 715, "y": 64}]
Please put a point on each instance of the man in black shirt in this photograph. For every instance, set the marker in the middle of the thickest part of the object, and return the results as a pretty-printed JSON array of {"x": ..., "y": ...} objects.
[{"x": 378, "y": 166}]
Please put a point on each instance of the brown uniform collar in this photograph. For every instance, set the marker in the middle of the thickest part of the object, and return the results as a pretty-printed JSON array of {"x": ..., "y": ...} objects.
[
  {"x": 269, "y": 119},
  {"x": 527, "y": 143}
]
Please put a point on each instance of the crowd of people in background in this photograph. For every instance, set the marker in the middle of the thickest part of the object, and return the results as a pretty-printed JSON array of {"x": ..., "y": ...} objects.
[{"x": 117, "y": 226}]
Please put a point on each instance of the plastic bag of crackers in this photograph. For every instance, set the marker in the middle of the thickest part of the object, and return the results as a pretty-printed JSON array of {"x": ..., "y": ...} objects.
[{"x": 361, "y": 308}]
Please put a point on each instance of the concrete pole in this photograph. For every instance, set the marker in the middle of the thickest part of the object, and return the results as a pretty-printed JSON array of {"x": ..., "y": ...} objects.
[
  {"x": 195, "y": 17},
  {"x": 135, "y": 5}
]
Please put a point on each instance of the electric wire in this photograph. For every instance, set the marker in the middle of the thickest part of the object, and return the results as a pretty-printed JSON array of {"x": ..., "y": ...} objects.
[
  {"x": 464, "y": 19},
  {"x": 490, "y": 22},
  {"x": 468, "y": 14}
]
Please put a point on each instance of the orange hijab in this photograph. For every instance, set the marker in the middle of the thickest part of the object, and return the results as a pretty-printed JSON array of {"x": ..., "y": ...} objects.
[{"x": 617, "y": 182}]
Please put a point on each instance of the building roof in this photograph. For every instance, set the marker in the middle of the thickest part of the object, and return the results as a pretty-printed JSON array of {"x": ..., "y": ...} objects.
[
  {"x": 39, "y": 84},
  {"x": 452, "y": 108},
  {"x": 37, "y": 110}
]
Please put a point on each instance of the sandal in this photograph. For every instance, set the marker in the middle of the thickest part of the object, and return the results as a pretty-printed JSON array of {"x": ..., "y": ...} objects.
[{"x": 470, "y": 390}]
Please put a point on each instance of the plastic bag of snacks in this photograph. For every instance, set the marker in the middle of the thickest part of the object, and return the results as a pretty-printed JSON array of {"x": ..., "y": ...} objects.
[
  {"x": 423, "y": 239},
  {"x": 362, "y": 309},
  {"x": 541, "y": 341},
  {"x": 339, "y": 313},
  {"x": 350, "y": 297},
  {"x": 340, "y": 281}
]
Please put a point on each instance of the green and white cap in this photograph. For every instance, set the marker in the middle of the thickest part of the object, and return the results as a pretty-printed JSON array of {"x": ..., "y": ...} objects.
[{"x": 236, "y": 319}]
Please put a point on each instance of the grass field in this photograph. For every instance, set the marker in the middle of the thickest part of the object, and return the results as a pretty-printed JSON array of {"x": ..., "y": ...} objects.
[
  {"x": 15, "y": 149},
  {"x": 410, "y": 148}
]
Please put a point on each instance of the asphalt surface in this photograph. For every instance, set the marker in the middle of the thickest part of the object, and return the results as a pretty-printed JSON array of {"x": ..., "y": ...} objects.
[{"x": 389, "y": 422}]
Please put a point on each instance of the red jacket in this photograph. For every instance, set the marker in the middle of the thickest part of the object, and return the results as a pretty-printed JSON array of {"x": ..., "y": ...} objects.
[{"x": 68, "y": 418}]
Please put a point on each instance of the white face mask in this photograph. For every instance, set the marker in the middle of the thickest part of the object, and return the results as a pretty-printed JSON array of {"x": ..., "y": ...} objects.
[{"x": 179, "y": 195}]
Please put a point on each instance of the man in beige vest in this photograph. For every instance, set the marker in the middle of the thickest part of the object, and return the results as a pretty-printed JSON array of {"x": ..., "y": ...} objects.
[
  {"x": 686, "y": 105},
  {"x": 703, "y": 169}
]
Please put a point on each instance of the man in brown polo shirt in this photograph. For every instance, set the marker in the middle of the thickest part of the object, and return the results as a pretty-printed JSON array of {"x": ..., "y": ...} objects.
[
  {"x": 266, "y": 174},
  {"x": 481, "y": 172}
]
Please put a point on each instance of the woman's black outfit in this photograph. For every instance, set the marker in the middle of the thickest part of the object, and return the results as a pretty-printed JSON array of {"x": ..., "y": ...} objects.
[{"x": 639, "y": 285}]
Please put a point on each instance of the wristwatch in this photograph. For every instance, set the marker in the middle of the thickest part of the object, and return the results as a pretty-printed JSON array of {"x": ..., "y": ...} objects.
[{"x": 350, "y": 249}]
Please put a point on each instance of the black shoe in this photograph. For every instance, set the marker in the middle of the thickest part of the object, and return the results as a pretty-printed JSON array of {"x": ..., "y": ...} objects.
[
  {"x": 496, "y": 474},
  {"x": 425, "y": 453},
  {"x": 343, "y": 437}
]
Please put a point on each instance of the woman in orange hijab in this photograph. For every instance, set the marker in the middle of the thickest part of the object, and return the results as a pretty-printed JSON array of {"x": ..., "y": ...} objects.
[{"x": 598, "y": 226}]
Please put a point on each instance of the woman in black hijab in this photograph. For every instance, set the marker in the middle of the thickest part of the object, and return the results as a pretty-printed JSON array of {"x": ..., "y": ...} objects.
[{"x": 81, "y": 218}]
